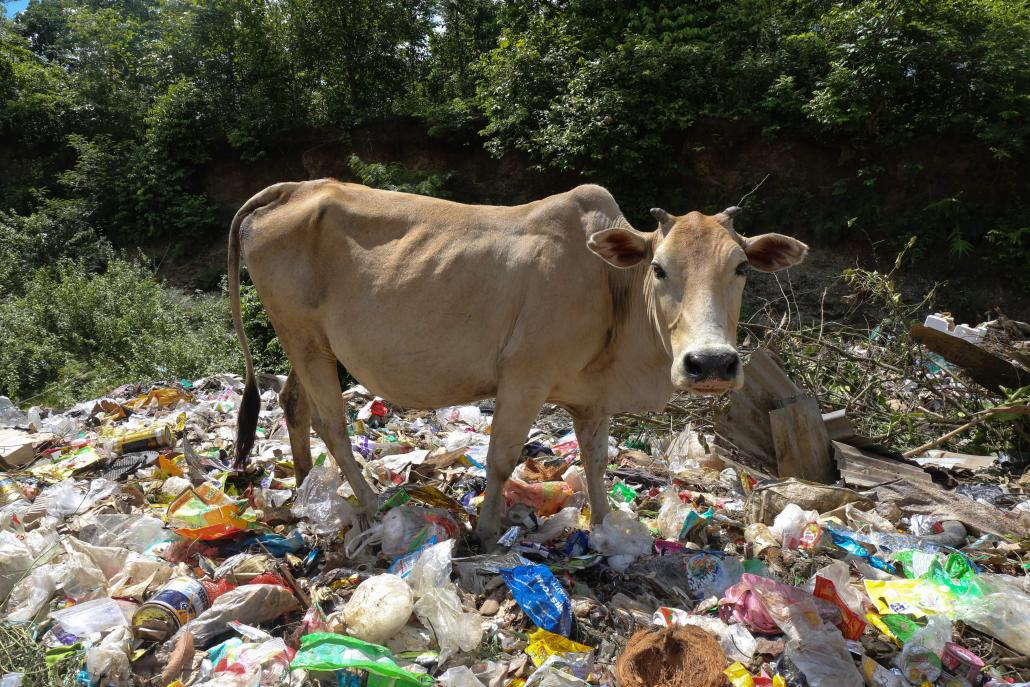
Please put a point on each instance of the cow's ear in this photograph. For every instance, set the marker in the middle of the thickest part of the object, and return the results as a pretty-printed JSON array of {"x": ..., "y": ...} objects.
[
  {"x": 774, "y": 252},
  {"x": 620, "y": 246}
]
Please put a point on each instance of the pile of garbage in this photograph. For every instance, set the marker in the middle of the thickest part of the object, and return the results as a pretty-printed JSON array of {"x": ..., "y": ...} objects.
[{"x": 132, "y": 553}]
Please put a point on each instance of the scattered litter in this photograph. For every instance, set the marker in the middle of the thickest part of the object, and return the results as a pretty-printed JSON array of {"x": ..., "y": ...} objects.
[{"x": 131, "y": 553}]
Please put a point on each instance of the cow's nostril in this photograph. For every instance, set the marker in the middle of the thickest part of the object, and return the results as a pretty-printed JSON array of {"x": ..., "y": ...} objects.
[
  {"x": 731, "y": 368},
  {"x": 695, "y": 365},
  {"x": 719, "y": 366}
]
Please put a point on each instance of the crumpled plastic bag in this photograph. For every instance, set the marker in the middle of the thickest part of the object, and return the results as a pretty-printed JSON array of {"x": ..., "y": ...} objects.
[
  {"x": 206, "y": 513},
  {"x": 622, "y": 538},
  {"x": 552, "y": 527},
  {"x": 672, "y": 514},
  {"x": 408, "y": 527},
  {"x": 250, "y": 604},
  {"x": 108, "y": 662},
  {"x": 15, "y": 559},
  {"x": 134, "y": 532},
  {"x": 790, "y": 522},
  {"x": 89, "y": 617},
  {"x": 378, "y": 609},
  {"x": 319, "y": 501},
  {"x": 32, "y": 593},
  {"x": 440, "y": 610},
  {"x": 67, "y": 497},
  {"x": 325, "y": 651},
  {"x": 770, "y": 607},
  {"x": 459, "y": 676},
  {"x": 432, "y": 569},
  {"x": 546, "y": 498},
  {"x": 998, "y": 608}
]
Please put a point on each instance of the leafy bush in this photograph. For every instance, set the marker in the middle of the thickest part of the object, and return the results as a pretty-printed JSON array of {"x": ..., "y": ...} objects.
[
  {"x": 395, "y": 177},
  {"x": 74, "y": 333}
]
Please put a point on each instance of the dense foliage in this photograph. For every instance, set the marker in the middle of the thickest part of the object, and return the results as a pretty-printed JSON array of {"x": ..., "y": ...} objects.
[{"x": 113, "y": 111}]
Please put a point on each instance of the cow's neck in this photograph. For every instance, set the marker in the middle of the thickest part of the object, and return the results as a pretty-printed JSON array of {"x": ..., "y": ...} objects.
[{"x": 641, "y": 356}]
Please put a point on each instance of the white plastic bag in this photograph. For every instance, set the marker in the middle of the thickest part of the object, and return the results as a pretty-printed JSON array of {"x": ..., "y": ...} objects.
[
  {"x": 553, "y": 526},
  {"x": 459, "y": 676},
  {"x": 108, "y": 662},
  {"x": 432, "y": 569},
  {"x": 319, "y": 501},
  {"x": 839, "y": 574},
  {"x": 440, "y": 611},
  {"x": 622, "y": 538},
  {"x": 379, "y": 608},
  {"x": 32, "y": 594},
  {"x": 98, "y": 615},
  {"x": 15, "y": 560},
  {"x": 789, "y": 523},
  {"x": 672, "y": 514}
]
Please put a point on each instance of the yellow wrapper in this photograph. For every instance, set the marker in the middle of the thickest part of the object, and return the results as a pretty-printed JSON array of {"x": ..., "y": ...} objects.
[
  {"x": 738, "y": 675},
  {"x": 543, "y": 644}
]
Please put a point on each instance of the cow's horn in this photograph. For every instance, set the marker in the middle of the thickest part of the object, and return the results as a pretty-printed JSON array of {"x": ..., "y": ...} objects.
[
  {"x": 725, "y": 218},
  {"x": 664, "y": 218}
]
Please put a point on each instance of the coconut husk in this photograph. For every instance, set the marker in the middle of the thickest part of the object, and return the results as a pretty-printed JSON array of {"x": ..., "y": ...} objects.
[{"x": 671, "y": 657}]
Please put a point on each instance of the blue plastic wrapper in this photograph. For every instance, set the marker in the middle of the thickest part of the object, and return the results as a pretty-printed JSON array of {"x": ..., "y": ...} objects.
[
  {"x": 851, "y": 546},
  {"x": 541, "y": 596},
  {"x": 577, "y": 543}
]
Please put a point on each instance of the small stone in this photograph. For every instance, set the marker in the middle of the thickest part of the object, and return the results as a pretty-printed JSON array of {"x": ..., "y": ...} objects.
[{"x": 489, "y": 607}]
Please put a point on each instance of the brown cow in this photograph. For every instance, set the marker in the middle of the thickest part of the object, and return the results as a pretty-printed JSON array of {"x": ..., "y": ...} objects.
[{"x": 430, "y": 303}]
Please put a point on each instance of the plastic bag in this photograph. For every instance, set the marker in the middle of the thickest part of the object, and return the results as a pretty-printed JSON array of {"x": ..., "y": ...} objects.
[
  {"x": 410, "y": 527},
  {"x": 552, "y": 527},
  {"x": 546, "y": 498},
  {"x": 85, "y": 618},
  {"x": 134, "y": 532},
  {"x": 789, "y": 524},
  {"x": 325, "y": 651},
  {"x": 15, "y": 559},
  {"x": 622, "y": 538},
  {"x": 251, "y": 604},
  {"x": 33, "y": 592},
  {"x": 432, "y": 569},
  {"x": 824, "y": 659},
  {"x": 108, "y": 662},
  {"x": 379, "y": 607},
  {"x": 541, "y": 596},
  {"x": 769, "y": 607},
  {"x": 920, "y": 658},
  {"x": 1001, "y": 611},
  {"x": 440, "y": 610},
  {"x": 67, "y": 498},
  {"x": 319, "y": 501},
  {"x": 459, "y": 676},
  {"x": 672, "y": 514},
  {"x": 206, "y": 513}
]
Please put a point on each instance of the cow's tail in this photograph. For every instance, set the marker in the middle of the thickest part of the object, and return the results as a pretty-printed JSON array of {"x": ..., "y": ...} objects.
[{"x": 250, "y": 406}]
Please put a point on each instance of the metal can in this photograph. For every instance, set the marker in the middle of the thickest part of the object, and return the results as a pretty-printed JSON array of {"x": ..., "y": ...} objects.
[
  {"x": 177, "y": 603},
  {"x": 148, "y": 439}
]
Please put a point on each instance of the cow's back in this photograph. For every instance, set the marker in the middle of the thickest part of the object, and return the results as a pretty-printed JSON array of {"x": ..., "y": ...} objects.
[{"x": 427, "y": 301}]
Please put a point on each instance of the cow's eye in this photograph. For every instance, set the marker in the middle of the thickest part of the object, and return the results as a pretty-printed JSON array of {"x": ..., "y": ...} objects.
[
  {"x": 659, "y": 273},
  {"x": 742, "y": 269}
]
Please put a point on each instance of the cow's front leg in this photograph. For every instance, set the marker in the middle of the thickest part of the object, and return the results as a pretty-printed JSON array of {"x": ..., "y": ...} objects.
[
  {"x": 592, "y": 435},
  {"x": 517, "y": 407}
]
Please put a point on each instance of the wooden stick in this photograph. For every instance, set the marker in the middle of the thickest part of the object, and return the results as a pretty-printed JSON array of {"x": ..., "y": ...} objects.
[{"x": 980, "y": 417}]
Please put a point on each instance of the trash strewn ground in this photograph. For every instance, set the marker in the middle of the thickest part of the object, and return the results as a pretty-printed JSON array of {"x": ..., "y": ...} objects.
[{"x": 132, "y": 554}]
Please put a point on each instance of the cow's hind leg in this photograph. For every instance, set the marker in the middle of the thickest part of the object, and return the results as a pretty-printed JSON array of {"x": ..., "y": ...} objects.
[
  {"x": 293, "y": 399},
  {"x": 517, "y": 407},
  {"x": 592, "y": 436},
  {"x": 315, "y": 364}
]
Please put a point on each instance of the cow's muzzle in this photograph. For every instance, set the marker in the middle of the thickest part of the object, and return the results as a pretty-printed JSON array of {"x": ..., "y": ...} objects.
[{"x": 711, "y": 371}]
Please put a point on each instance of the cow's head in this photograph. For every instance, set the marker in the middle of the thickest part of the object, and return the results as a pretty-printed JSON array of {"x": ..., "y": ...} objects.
[{"x": 698, "y": 266}]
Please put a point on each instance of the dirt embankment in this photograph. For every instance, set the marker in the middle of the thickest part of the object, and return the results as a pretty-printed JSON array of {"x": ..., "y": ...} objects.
[{"x": 714, "y": 161}]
